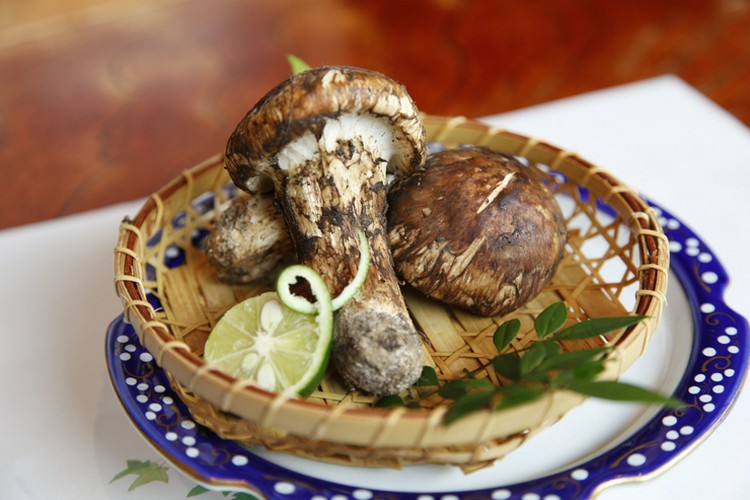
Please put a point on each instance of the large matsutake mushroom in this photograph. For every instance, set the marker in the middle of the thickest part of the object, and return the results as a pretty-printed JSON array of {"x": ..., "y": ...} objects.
[
  {"x": 476, "y": 229},
  {"x": 325, "y": 139}
]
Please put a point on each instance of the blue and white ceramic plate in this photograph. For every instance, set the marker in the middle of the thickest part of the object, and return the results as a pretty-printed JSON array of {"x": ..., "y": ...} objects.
[{"x": 699, "y": 354}]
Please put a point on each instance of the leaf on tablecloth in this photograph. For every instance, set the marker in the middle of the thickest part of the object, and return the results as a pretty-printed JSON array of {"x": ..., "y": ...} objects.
[{"x": 145, "y": 472}]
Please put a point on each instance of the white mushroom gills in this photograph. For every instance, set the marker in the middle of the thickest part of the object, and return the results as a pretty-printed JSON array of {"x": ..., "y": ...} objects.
[{"x": 375, "y": 135}]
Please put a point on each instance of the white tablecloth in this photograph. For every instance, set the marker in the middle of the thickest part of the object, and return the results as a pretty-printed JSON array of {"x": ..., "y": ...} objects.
[{"x": 65, "y": 435}]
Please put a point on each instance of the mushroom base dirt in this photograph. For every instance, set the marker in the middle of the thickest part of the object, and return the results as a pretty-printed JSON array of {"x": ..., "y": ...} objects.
[{"x": 376, "y": 353}]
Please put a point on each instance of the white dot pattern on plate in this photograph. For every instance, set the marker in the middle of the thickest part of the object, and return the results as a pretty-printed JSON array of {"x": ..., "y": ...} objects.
[
  {"x": 636, "y": 459},
  {"x": 501, "y": 494},
  {"x": 284, "y": 488},
  {"x": 668, "y": 446},
  {"x": 579, "y": 474},
  {"x": 172, "y": 251},
  {"x": 669, "y": 420},
  {"x": 707, "y": 308}
]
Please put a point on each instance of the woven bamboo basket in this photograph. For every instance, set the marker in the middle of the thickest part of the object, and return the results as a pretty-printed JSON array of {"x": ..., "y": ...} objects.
[{"x": 616, "y": 263}]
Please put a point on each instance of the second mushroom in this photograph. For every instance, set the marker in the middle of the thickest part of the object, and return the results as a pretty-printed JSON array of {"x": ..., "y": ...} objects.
[{"x": 326, "y": 139}]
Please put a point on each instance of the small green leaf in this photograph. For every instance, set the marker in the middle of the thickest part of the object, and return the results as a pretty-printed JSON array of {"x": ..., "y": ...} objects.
[
  {"x": 551, "y": 319},
  {"x": 468, "y": 403},
  {"x": 390, "y": 401},
  {"x": 508, "y": 365},
  {"x": 538, "y": 377},
  {"x": 595, "y": 327},
  {"x": 428, "y": 377},
  {"x": 198, "y": 490},
  {"x": 297, "y": 64},
  {"x": 532, "y": 358},
  {"x": 587, "y": 370},
  {"x": 453, "y": 389},
  {"x": 476, "y": 383},
  {"x": 562, "y": 379},
  {"x": 620, "y": 391},
  {"x": 516, "y": 395},
  {"x": 505, "y": 334},
  {"x": 551, "y": 348},
  {"x": 145, "y": 473},
  {"x": 565, "y": 360},
  {"x": 243, "y": 496},
  {"x": 133, "y": 467},
  {"x": 158, "y": 473}
]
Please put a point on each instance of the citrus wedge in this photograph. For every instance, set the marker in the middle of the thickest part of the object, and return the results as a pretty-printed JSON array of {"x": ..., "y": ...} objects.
[{"x": 273, "y": 346}]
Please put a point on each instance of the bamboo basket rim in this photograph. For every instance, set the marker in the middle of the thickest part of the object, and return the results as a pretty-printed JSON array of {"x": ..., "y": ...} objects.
[{"x": 316, "y": 420}]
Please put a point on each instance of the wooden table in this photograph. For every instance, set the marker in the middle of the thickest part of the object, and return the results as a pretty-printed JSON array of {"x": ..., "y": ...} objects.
[{"x": 105, "y": 102}]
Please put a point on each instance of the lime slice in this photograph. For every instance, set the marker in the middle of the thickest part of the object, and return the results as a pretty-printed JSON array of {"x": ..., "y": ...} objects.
[
  {"x": 275, "y": 347},
  {"x": 290, "y": 275}
]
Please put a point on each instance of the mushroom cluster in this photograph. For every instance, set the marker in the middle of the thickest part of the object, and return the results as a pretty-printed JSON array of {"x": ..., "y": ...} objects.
[
  {"x": 326, "y": 140},
  {"x": 469, "y": 227}
]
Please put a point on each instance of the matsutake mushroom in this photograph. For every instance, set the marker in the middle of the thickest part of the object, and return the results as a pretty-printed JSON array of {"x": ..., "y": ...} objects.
[
  {"x": 249, "y": 240},
  {"x": 326, "y": 139},
  {"x": 476, "y": 229}
]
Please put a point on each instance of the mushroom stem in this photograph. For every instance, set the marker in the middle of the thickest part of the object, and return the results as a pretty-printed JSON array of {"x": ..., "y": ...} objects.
[
  {"x": 326, "y": 138},
  {"x": 376, "y": 347}
]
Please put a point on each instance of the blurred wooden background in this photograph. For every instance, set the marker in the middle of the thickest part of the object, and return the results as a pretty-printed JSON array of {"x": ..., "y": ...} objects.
[{"x": 104, "y": 101}]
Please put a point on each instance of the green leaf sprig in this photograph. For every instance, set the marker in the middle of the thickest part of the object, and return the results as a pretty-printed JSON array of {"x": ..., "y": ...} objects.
[
  {"x": 542, "y": 367},
  {"x": 296, "y": 64}
]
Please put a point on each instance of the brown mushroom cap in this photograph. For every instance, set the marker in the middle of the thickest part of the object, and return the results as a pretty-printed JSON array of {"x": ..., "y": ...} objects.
[
  {"x": 476, "y": 229},
  {"x": 305, "y": 102}
]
